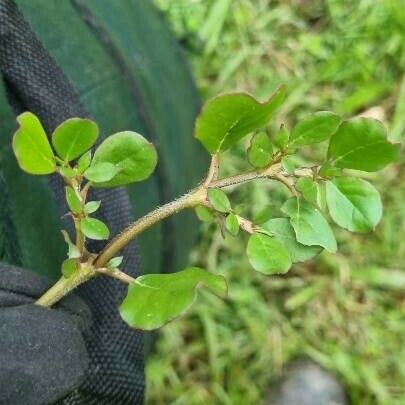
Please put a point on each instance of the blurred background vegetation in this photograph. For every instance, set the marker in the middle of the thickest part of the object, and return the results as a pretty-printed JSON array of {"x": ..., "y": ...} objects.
[{"x": 345, "y": 311}]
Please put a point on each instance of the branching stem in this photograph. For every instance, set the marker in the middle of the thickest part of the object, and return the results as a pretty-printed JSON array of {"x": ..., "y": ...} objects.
[{"x": 193, "y": 198}]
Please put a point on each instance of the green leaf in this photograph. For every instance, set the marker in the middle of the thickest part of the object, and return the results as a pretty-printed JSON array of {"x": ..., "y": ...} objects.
[
  {"x": 281, "y": 138},
  {"x": 73, "y": 251},
  {"x": 101, "y": 172},
  {"x": 94, "y": 229},
  {"x": 131, "y": 153},
  {"x": 226, "y": 119},
  {"x": 204, "y": 214},
  {"x": 67, "y": 172},
  {"x": 361, "y": 144},
  {"x": 353, "y": 203},
  {"x": 321, "y": 195},
  {"x": 282, "y": 230},
  {"x": 232, "y": 224},
  {"x": 115, "y": 262},
  {"x": 219, "y": 200},
  {"x": 288, "y": 165},
  {"x": 310, "y": 227},
  {"x": 155, "y": 299},
  {"x": 308, "y": 188},
  {"x": 260, "y": 152},
  {"x": 73, "y": 137},
  {"x": 31, "y": 147},
  {"x": 73, "y": 200},
  {"x": 263, "y": 215},
  {"x": 267, "y": 255},
  {"x": 92, "y": 206},
  {"x": 315, "y": 128},
  {"x": 68, "y": 267},
  {"x": 84, "y": 162}
]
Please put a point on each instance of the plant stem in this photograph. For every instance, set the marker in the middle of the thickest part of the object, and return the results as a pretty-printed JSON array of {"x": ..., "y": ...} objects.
[
  {"x": 64, "y": 285},
  {"x": 268, "y": 172},
  {"x": 189, "y": 200},
  {"x": 193, "y": 198},
  {"x": 116, "y": 273}
]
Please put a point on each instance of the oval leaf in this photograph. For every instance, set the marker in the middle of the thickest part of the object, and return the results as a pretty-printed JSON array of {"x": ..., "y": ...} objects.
[
  {"x": 131, "y": 153},
  {"x": 101, "y": 172},
  {"x": 282, "y": 230},
  {"x": 219, "y": 200},
  {"x": 155, "y": 299},
  {"x": 315, "y": 128},
  {"x": 308, "y": 188},
  {"x": 73, "y": 137},
  {"x": 115, "y": 262},
  {"x": 68, "y": 267},
  {"x": 354, "y": 204},
  {"x": 260, "y": 150},
  {"x": 84, "y": 162},
  {"x": 94, "y": 229},
  {"x": 226, "y": 119},
  {"x": 31, "y": 147},
  {"x": 310, "y": 227},
  {"x": 361, "y": 144},
  {"x": 92, "y": 206},
  {"x": 268, "y": 255},
  {"x": 232, "y": 224},
  {"x": 204, "y": 214},
  {"x": 73, "y": 200}
]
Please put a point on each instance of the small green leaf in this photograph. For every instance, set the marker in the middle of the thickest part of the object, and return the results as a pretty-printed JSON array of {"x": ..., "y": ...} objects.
[
  {"x": 321, "y": 195},
  {"x": 226, "y": 119},
  {"x": 232, "y": 224},
  {"x": 267, "y": 255},
  {"x": 281, "y": 138},
  {"x": 156, "y": 299},
  {"x": 68, "y": 267},
  {"x": 73, "y": 137},
  {"x": 84, "y": 162},
  {"x": 308, "y": 188},
  {"x": 288, "y": 165},
  {"x": 310, "y": 227},
  {"x": 73, "y": 251},
  {"x": 115, "y": 262},
  {"x": 31, "y": 147},
  {"x": 204, "y": 214},
  {"x": 101, "y": 172},
  {"x": 131, "y": 153},
  {"x": 282, "y": 230},
  {"x": 361, "y": 144},
  {"x": 73, "y": 200},
  {"x": 67, "y": 172},
  {"x": 263, "y": 215},
  {"x": 219, "y": 200},
  {"x": 314, "y": 128},
  {"x": 260, "y": 150},
  {"x": 94, "y": 229},
  {"x": 92, "y": 206},
  {"x": 327, "y": 170},
  {"x": 353, "y": 203}
]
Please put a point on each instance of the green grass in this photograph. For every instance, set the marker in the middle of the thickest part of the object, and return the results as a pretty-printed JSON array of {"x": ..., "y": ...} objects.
[{"x": 346, "y": 311}]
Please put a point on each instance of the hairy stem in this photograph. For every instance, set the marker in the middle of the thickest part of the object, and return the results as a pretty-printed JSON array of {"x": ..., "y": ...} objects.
[
  {"x": 189, "y": 200},
  {"x": 64, "y": 285},
  {"x": 193, "y": 198},
  {"x": 116, "y": 273},
  {"x": 268, "y": 172}
]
